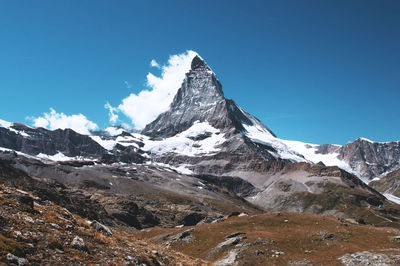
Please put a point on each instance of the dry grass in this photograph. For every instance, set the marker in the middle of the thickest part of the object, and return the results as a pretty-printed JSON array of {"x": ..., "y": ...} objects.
[{"x": 303, "y": 237}]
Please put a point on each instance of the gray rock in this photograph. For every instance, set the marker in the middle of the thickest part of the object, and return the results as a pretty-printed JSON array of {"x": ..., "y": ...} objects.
[
  {"x": 101, "y": 228},
  {"x": 367, "y": 258},
  {"x": 231, "y": 241},
  {"x": 16, "y": 260},
  {"x": 78, "y": 243}
]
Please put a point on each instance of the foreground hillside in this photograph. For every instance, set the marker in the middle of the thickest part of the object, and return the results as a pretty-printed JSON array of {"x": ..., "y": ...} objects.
[
  {"x": 283, "y": 239},
  {"x": 37, "y": 232}
]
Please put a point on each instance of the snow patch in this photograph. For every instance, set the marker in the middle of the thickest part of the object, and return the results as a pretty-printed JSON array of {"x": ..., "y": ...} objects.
[
  {"x": 392, "y": 198},
  {"x": 183, "y": 143},
  {"x": 182, "y": 169},
  {"x": 107, "y": 144},
  {"x": 260, "y": 134},
  {"x": 60, "y": 157},
  {"x": 8, "y": 125},
  {"x": 309, "y": 151}
]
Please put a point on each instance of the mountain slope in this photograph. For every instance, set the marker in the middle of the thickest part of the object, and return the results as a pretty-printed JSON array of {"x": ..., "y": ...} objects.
[{"x": 389, "y": 185}]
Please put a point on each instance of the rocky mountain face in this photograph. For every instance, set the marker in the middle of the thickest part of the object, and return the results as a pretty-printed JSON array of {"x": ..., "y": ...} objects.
[
  {"x": 200, "y": 99},
  {"x": 367, "y": 158},
  {"x": 64, "y": 144},
  {"x": 34, "y": 141}
]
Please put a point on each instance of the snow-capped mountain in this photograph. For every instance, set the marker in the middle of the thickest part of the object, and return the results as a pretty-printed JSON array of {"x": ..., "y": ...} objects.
[{"x": 201, "y": 121}]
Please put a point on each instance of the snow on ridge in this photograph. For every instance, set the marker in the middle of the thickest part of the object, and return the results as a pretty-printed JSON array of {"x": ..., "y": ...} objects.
[
  {"x": 109, "y": 143},
  {"x": 113, "y": 131},
  {"x": 293, "y": 150},
  {"x": 60, "y": 157},
  {"x": 259, "y": 133},
  {"x": 392, "y": 198},
  {"x": 309, "y": 150},
  {"x": 8, "y": 125},
  {"x": 5, "y": 124},
  {"x": 199, "y": 128},
  {"x": 365, "y": 139},
  {"x": 182, "y": 169},
  {"x": 378, "y": 142}
]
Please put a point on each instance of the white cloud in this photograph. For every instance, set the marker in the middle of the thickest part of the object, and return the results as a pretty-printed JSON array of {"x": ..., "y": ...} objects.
[
  {"x": 154, "y": 63},
  {"x": 144, "y": 107},
  {"x": 54, "y": 120},
  {"x": 112, "y": 113}
]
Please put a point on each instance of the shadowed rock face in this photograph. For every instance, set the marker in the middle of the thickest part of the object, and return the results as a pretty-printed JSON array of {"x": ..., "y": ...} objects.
[
  {"x": 39, "y": 140},
  {"x": 200, "y": 98},
  {"x": 34, "y": 141}
]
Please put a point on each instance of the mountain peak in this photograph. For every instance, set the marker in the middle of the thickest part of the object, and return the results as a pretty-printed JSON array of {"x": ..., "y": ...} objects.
[
  {"x": 198, "y": 63},
  {"x": 201, "y": 99}
]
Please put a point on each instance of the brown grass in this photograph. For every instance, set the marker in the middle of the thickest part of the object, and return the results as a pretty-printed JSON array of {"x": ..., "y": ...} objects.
[{"x": 301, "y": 238}]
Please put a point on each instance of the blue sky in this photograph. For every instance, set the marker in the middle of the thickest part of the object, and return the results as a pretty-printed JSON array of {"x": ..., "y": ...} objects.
[{"x": 315, "y": 71}]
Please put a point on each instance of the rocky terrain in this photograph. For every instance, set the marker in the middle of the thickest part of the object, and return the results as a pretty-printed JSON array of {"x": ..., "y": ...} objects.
[
  {"x": 145, "y": 197},
  {"x": 34, "y": 231},
  {"x": 388, "y": 184}
]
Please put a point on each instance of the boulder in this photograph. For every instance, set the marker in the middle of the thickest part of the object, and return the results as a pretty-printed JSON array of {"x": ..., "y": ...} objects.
[{"x": 101, "y": 228}]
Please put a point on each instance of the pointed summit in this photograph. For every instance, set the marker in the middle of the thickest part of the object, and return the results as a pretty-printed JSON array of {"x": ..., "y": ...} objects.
[
  {"x": 200, "y": 99},
  {"x": 199, "y": 64}
]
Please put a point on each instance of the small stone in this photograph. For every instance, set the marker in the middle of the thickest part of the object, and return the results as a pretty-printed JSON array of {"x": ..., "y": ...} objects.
[
  {"x": 29, "y": 219},
  {"x": 78, "y": 243},
  {"x": 55, "y": 225}
]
